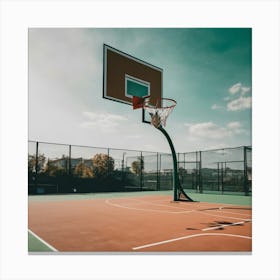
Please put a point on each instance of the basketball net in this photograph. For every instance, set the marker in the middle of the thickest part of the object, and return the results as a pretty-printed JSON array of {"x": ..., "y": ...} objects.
[{"x": 159, "y": 114}]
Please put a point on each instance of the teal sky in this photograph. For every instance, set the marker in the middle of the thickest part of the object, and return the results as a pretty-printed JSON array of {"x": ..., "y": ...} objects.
[{"x": 207, "y": 70}]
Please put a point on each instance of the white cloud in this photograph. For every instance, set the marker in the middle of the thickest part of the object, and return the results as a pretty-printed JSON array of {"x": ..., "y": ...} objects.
[
  {"x": 188, "y": 124},
  {"x": 237, "y": 100},
  {"x": 238, "y": 88},
  {"x": 210, "y": 130},
  {"x": 239, "y": 104},
  {"x": 104, "y": 121},
  {"x": 216, "y": 107},
  {"x": 235, "y": 88},
  {"x": 244, "y": 90},
  {"x": 235, "y": 127}
]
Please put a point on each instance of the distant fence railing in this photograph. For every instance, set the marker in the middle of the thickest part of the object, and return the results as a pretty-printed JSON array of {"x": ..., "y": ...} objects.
[{"x": 59, "y": 168}]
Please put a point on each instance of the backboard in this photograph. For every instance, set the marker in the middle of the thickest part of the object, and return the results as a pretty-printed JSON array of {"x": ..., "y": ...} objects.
[{"x": 125, "y": 76}]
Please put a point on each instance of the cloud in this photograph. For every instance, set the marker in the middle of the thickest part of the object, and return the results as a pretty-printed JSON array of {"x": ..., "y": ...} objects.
[
  {"x": 237, "y": 100},
  {"x": 103, "y": 121},
  {"x": 235, "y": 127},
  {"x": 238, "y": 88},
  {"x": 211, "y": 130},
  {"x": 235, "y": 88},
  {"x": 239, "y": 104},
  {"x": 244, "y": 90},
  {"x": 216, "y": 107},
  {"x": 208, "y": 129}
]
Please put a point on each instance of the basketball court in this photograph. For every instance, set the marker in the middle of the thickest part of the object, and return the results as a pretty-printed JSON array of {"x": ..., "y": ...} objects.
[
  {"x": 137, "y": 223},
  {"x": 154, "y": 222}
]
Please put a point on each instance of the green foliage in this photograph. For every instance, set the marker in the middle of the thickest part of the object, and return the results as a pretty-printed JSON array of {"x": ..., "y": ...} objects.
[
  {"x": 137, "y": 166},
  {"x": 54, "y": 169},
  {"x": 32, "y": 163},
  {"x": 83, "y": 171},
  {"x": 103, "y": 165}
]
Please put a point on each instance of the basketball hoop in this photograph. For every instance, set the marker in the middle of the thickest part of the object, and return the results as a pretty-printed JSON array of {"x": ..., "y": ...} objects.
[{"x": 159, "y": 112}]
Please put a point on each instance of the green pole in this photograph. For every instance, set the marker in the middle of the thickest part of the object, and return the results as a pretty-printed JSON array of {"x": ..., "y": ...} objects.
[
  {"x": 176, "y": 182},
  {"x": 175, "y": 171}
]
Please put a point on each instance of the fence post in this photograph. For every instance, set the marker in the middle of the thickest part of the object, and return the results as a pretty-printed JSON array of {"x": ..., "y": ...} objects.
[
  {"x": 246, "y": 190},
  {"x": 36, "y": 165},
  {"x": 218, "y": 171},
  {"x": 69, "y": 161},
  {"x": 222, "y": 176},
  {"x": 108, "y": 154},
  {"x": 141, "y": 171},
  {"x": 158, "y": 185},
  {"x": 200, "y": 174},
  {"x": 123, "y": 172},
  {"x": 159, "y": 170}
]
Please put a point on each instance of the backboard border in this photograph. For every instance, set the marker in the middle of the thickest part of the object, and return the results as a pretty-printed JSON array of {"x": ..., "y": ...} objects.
[{"x": 108, "y": 47}]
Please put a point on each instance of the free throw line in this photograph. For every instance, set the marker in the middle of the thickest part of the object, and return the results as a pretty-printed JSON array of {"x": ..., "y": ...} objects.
[{"x": 43, "y": 241}]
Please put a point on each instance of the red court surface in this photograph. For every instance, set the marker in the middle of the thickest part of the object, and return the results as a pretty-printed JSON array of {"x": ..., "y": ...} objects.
[{"x": 141, "y": 224}]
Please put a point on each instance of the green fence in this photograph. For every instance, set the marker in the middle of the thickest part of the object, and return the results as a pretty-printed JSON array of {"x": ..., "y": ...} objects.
[{"x": 58, "y": 168}]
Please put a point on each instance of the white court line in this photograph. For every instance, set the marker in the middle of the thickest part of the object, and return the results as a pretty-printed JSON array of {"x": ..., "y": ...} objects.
[
  {"x": 107, "y": 201},
  {"x": 220, "y": 216},
  {"x": 190, "y": 236},
  {"x": 43, "y": 241},
  {"x": 242, "y": 214},
  {"x": 163, "y": 205},
  {"x": 201, "y": 205},
  {"x": 227, "y": 225},
  {"x": 229, "y": 212}
]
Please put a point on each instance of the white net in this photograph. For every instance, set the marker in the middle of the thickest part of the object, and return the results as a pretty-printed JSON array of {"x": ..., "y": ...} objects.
[{"x": 159, "y": 114}]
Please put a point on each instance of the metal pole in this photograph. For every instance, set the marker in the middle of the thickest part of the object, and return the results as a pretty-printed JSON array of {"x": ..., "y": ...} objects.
[
  {"x": 246, "y": 189},
  {"x": 218, "y": 164},
  {"x": 159, "y": 169},
  {"x": 36, "y": 165},
  {"x": 176, "y": 182},
  {"x": 200, "y": 174},
  {"x": 69, "y": 161},
  {"x": 222, "y": 177},
  {"x": 197, "y": 186},
  {"x": 158, "y": 186},
  {"x": 123, "y": 176},
  {"x": 141, "y": 174},
  {"x": 108, "y": 154}
]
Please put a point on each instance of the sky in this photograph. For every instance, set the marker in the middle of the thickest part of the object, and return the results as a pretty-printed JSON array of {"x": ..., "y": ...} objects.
[{"x": 208, "y": 71}]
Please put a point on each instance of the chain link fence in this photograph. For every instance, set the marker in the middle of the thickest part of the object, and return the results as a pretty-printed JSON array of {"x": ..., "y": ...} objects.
[
  {"x": 58, "y": 168},
  {"x": 227, "y": 170}
]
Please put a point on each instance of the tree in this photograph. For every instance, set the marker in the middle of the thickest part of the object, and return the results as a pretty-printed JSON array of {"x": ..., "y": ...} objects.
[
  {"x": 137, "y": 166},
  {"x": 52, "y": 169},
  {"x": 83, "y": 171},
  {"x": 103, "y": 165},
  {"x": 32, "y": 163}
]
